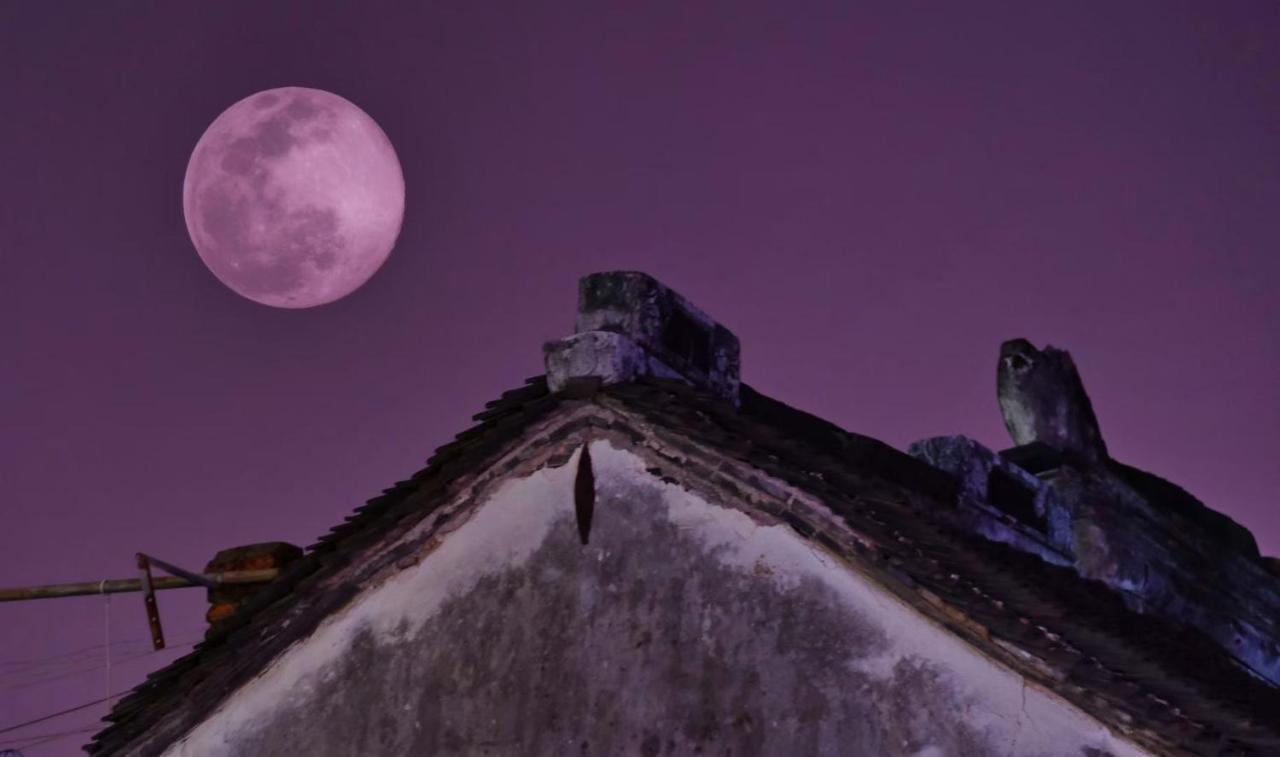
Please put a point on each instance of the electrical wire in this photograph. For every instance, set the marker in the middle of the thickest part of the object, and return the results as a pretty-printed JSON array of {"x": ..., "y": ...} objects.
[
  {"x": 71, "y": 656},
  {"x": 60, "y": 675},
  {"x": 69, "y": 710},
  {"x": 28, "y": 742},
  {"x": 24, "y": 678},
  {"x": 59, "y": 713},
  {"x": 30, "y": 682}
]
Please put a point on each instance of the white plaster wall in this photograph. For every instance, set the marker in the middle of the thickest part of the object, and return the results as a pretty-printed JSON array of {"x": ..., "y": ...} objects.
[{"x": 517, "y": 519}]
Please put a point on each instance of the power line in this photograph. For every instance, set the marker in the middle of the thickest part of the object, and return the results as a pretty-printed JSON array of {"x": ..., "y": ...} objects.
[
  {"x": 77, "y": 708},
  {"x": 60, "y": 713},
  {"x": 82, "y": 652},
  {"x": 27, "y": 742},
  {"x": 88, "y": 662},
  {"x": 20, "y": 682},
  {"x": 41, "y": 666},
  {"x": 36, "y": 677}
]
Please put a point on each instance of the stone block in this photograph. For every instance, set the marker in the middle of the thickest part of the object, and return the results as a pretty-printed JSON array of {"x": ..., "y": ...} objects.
[{"x": 669, "y": 328}]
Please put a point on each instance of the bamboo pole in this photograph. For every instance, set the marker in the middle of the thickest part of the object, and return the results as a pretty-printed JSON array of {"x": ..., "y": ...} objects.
[{"x": 120, "y": 585}]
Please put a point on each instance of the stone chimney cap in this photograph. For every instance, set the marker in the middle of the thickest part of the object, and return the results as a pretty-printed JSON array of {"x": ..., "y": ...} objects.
[{"x": 630, "y": 324}]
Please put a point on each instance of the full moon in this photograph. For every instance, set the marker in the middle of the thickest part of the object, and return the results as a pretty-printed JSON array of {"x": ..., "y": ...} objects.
[{"x": 293, "y": 197}]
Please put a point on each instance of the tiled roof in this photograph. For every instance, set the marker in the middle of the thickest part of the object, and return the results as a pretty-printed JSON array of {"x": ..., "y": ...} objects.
[
  {"x": 245, "y": 643},
  {"x": 1169, "y": 687}
]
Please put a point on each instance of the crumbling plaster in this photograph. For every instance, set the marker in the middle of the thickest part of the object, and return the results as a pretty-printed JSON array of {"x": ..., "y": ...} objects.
[{"x": 684, "y": 626}]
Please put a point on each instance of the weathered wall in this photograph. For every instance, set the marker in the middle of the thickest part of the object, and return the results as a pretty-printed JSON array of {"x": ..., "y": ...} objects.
[{"x": 682, "y": 628}]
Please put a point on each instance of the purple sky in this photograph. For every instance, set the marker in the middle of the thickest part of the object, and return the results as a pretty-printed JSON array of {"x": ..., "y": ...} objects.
[{"x": 871, "y": 198}]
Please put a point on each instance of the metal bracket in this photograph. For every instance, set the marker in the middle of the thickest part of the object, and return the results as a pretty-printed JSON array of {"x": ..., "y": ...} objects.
[
  {"x": 149, "y": 601},
  {"x": 174, "y": 570}
]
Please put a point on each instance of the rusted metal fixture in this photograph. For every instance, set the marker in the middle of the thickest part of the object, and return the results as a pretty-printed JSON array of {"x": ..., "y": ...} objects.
[
  {"x": 174, "y": 570},
  {"x": 149, "y": 600}
]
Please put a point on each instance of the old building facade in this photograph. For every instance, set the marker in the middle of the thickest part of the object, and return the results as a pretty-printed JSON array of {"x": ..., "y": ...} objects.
[{"x": 638, "y": 554}]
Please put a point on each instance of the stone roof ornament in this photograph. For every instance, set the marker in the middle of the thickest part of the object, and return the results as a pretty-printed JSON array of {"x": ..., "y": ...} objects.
[
  {"x": 631, "y": 325},
  {"x": 1060, "y": 495},
  {"x": 1043, "y": 400}
]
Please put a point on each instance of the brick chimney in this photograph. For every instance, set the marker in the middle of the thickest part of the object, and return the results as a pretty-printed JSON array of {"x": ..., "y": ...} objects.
[
  {"x": 225, "y": 601},
  {"x": 630, "y": 325}
]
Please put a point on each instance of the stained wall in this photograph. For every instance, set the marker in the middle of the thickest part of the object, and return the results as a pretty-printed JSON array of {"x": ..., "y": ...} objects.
[{"x": 683, "y": 627}]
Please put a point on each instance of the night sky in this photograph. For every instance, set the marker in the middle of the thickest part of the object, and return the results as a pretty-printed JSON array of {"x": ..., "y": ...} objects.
[{"x": 872, "y": 198}]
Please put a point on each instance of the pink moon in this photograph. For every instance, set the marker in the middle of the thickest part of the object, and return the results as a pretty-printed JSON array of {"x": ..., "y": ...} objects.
[{"x": 293, "y": 197}]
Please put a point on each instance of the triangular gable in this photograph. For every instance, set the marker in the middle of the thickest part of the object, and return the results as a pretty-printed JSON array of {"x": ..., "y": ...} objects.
[
  {"x": 845, "y": 495},
  {"x": 683, "y": 626}
]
